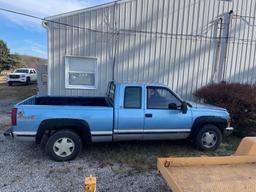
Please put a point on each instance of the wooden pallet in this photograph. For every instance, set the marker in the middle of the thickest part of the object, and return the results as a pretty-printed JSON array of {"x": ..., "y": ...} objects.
[{"x": 236, "y": 173}]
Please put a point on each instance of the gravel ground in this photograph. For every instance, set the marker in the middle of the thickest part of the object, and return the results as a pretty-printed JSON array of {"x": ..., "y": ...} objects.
[{"x": 25, "y": 167}]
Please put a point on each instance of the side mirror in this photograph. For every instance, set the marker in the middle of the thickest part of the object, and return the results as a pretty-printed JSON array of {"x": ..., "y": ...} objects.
[
  {"x": 184, "y": 107},
  {"x": 172, "y": 106}
]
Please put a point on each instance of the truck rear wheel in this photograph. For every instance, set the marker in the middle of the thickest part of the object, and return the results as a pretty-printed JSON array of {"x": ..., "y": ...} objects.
[
  {"x": 208, "y": 138},
  {"x": 63, "y": 145}
]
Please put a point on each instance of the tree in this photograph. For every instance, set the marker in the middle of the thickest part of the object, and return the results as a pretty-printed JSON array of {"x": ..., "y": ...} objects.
[
  {"x": 16, "y": 61},
  {"x": 9, "y": 61},
  {"x": 4, "y": 56}
]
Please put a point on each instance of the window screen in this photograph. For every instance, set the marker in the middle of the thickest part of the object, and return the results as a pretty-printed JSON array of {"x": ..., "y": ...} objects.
[
  {"x": 80, "y": 72},
  {"x": 132, "y": 98}
]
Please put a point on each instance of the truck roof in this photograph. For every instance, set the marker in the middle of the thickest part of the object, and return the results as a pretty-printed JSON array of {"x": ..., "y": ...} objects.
[{"x": 132, "y": 83}]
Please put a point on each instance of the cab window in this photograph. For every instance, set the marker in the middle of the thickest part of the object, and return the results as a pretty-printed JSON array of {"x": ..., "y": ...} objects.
[
  {"x": 160, "y": 98},
  {"x": 132, "y": 97}
]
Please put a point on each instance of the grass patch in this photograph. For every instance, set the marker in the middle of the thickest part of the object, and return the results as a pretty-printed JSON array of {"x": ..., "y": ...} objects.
[
  {"x": 17, "y": 92},
  {"x": 142, "y": 156}
]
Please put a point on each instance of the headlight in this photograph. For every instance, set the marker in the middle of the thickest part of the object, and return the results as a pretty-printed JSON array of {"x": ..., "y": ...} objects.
[{"x": 22, "y": 75}]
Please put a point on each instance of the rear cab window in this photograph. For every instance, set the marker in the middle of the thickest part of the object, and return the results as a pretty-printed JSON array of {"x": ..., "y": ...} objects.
[
  {"x": 111, "y": 92},
  {"x": 132, "y": 97}
]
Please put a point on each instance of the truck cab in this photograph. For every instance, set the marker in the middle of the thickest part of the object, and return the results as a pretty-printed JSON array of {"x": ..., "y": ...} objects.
[{"x": 150, "y": 112}]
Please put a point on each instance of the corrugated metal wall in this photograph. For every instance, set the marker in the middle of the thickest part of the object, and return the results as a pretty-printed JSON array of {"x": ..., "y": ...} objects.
[
  {"x": 42, "y": 79},
  {"x": 185, "y": 44}
]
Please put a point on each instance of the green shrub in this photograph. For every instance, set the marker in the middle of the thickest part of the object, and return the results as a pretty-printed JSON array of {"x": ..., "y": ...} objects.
[{"x": 238, "y": 99}]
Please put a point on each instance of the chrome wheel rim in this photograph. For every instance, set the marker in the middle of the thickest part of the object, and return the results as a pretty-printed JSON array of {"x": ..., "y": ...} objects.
[
  {"x": 209, "y": 139},
  {"x": 63, "y": 147}
]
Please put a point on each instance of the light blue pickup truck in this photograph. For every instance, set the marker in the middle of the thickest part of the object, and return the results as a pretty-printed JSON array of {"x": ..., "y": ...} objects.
[{"x": 130, "y": 111}]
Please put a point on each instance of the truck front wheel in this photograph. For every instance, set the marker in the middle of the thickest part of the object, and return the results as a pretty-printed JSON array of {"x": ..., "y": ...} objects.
[
  {"x": 63, "y": 145},
  {"x": 208, "y": 138}
]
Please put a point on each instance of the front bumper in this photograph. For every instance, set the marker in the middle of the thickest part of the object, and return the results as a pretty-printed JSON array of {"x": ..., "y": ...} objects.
[
  {"x": 8, "y": 133},
  {"x": 21, "y": 80},
  {"x": 228, "y": 131}
]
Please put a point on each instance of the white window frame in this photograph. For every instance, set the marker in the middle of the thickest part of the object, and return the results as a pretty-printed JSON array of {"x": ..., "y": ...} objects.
[{"x": 68, "y": 86}]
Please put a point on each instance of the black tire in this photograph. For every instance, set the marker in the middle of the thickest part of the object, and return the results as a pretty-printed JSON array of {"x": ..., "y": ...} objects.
[
  {"x": 56, "y": 139},
  {"x": 214, "y": 141},
  {"x": 10, "y": 83},
  {"x": 28, "y": 81}
]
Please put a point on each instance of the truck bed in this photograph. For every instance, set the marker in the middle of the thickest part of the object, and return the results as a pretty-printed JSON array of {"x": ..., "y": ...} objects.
[{"x": 68, "y": 101}]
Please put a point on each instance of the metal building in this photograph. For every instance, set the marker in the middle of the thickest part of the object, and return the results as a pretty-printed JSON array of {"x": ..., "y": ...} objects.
[{"x": 185, "y": 44}]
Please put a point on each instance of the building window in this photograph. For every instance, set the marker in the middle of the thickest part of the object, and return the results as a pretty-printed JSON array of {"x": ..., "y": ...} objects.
[{"x": 80, "y": 72}]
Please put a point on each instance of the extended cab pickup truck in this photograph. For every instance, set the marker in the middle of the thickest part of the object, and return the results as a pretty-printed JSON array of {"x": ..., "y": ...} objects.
[{"x": 130, "y": 111}]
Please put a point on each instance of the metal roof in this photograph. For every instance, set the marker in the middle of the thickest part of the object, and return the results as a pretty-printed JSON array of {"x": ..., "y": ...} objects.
[{"x": 86, "y": 9}]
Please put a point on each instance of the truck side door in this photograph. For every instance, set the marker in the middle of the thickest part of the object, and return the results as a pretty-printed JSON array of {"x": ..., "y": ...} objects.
[
  {"x": 162, "y": 122},
  {"x": 130, "y": 114}
]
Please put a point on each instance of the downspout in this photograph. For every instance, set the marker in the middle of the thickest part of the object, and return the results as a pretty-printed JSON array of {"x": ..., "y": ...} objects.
[
  {"x": 226, "y": 44},
  {"x": 217, "y": 55},
  {"x": 44, "y": 24},
  {"x": 116, "y": 39}
]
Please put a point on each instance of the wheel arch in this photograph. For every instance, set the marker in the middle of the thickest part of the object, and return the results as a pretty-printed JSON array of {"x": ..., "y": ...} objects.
[
  {"x": 219, "y": 122},
  {"x": 81, "y": 127}
]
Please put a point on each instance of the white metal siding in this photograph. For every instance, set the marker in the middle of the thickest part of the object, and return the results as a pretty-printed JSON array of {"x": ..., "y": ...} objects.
[
  {"x": 175, "y": 42},
  {"x": 42, "y": 79}
]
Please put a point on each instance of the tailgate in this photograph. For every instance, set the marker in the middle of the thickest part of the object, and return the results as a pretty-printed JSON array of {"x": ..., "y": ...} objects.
[{"x": 29, "y": 101}]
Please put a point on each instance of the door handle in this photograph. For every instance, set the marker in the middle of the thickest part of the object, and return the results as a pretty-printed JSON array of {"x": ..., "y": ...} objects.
[{"x": 149, "y": 115}]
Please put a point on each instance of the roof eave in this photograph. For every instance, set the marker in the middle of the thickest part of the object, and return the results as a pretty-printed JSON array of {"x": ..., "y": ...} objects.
[{"x": 85, "y": 10}]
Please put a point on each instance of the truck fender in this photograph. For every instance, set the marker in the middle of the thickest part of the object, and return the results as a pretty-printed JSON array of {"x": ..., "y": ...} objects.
[
  {"x": 79, "y": 126},
  {"x": 220, "y": 122}
]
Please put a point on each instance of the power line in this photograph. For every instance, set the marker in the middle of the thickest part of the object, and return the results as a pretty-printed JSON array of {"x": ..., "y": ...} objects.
[
  {"x": 47, "y": 20},
  {"x": 132, "y": 32}
]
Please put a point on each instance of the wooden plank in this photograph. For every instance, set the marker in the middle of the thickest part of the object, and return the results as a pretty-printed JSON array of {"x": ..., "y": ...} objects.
[
  {"x": 193, "y": 161},
  {"x": 211, "y": 174},
  {"x": 168, "y": 177},
  {"x": 228, "y": 178},
  {"x": 247, "y": 146}
]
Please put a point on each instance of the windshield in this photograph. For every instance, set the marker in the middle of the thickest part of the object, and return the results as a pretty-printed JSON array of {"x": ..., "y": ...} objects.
[{"x": 21, "y": 71}]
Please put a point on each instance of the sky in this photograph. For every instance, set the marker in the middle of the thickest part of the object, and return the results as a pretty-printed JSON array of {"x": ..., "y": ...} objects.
[{"x": 25, "y": 35}]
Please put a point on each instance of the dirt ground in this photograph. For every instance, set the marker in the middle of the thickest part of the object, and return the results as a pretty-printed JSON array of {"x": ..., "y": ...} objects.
[{"x": 125, "y": 166}]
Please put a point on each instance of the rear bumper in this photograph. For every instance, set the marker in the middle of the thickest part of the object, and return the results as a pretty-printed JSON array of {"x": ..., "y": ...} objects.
[
  {"x": 9, "y": 133},
  {"x": 228, "y": 131},
  {"x": 21, "y": 136}
]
